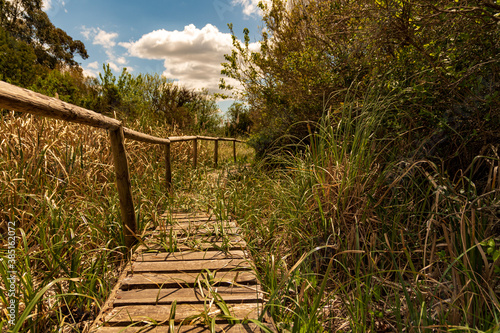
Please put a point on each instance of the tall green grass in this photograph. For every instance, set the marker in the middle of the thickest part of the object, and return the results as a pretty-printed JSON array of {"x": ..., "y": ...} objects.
[{"x": 353, "y": 234}]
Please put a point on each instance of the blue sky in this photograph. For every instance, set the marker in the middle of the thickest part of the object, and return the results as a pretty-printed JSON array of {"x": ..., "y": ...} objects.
[{"x": 183, "y": 40}]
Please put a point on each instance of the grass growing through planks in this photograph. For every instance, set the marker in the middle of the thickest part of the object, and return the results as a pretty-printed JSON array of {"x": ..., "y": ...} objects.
[{"x": 57, "y": 186}]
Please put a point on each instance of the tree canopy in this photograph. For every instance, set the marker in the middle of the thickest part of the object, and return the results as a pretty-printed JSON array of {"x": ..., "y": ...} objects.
[
  {"x": 441, "y": 57},
  {"x": 25, "y": 21}
]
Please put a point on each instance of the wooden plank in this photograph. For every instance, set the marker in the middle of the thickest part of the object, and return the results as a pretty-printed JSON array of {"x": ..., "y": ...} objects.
[
  {"x": 188, "y": 214},
  {"x": 206, "y": 138},
  {"x": 250, "y": 294},
  {"x": 123, "y": 185},
  {"x": 200, "y": 246},
  {"x": 189, "y": 239},
  {"x": 219, "y": 328},
  {"x": 190, "y": 218},
  {"x": 200, "y": 224},
  {"x": 203, "y": 220},
  {"x": 126, "y": 315},
  {"x": 195, "y": 153},
  {"x": 138, "y": 136},
  {"x": 173, "y": 280},
  {"x": 190, "y": 266},
  {"x": 168, "y": 167},
  {"x": 209, "y": 238},
  {"x": 202, "y": 231},
  {"x": 24, "y": 100},
  {"x": 189, "y": 255},
  {"x": 234, "y": 151},
  {"x": 181, "y": 138},
  {"x": 216, "y": 152}
]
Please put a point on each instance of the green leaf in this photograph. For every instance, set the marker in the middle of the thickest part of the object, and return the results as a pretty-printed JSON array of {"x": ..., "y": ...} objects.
[{"x": 496, "y": 255}]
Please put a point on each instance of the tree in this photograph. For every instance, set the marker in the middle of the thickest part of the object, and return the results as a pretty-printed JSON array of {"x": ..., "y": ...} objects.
[
  {"x": 25, "y": 21},
  {"x": 69, "y": 84},
  {"x": 239, "y": 122},
  {"x": 17, "y": 61},
  {"x": 440, "y": 57}
]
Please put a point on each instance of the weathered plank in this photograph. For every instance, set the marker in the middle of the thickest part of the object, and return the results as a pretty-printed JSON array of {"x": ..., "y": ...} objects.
[
  {"x": 190, "y": 255},
  {"x": 199, "y": 264},
  {"x": 225, "y": 227},
  {"x": 138, "y": 136},
  {"x": 216, "y": 152},
  {"x": 197, "y": 230},
  {"x": 126, "y": 315},
  {"x": 172, "y": 280},
  {"x": 226, "y": 328},
  {"x": 123, "y": 185},
  {"x": 168, "y": 166},
  {"x": 195, "y": 153},
  {"x": 181, "y": 138},
  {"x": 197, "y": 245},
  {"x": 190, "y": 266},
  {"x": 250, "y": 294},
  {"x": 190, "y": 218},
  {"x": 180, "y": 214},
  {"x": 24, "y": 100}
]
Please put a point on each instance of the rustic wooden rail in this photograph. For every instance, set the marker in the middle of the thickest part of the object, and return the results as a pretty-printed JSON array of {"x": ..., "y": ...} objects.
[{"x": 23, "y": 100}]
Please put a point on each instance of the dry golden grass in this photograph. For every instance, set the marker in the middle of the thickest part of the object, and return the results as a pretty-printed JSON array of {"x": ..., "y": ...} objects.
[{"x": 57, "y": 185}]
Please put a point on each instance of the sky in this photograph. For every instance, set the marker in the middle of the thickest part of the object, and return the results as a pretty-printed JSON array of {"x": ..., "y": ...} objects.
[{"x": 183, "y": 40}]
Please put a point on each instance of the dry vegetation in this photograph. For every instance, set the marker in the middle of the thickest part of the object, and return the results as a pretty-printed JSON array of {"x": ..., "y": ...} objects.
[{"x": 57, "y": 185}]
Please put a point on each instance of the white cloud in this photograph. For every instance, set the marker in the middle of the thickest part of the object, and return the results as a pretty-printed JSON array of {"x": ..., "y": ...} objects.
[
  {"x": 53, "y": 6},
  {"x": 47, "y": 5},
  {"x": 250, "y": 7},
  {"x": 193, "y": 56},
  {"x": 100, "y": 37},
  {"x": 87, "y": 33},
  {"x": 113, "y": 66},
  {"x": 93, "y": 65},
  {"x": 121, "y": 60},
  {"x": 106, "y": 39},
  {"x": 90, "y": 72}
]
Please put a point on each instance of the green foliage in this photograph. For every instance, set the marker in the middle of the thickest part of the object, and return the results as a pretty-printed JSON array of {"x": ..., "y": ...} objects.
[
  {"x": 442, "y": 56},
  {"x": 239, "y": 121},
  {"x": 67, "y": 83},
  {"x": 27, "y": 22},
  {"x": 151, "y": 98},
  {"x": 18, "y": 61},
  {"x": 389, "y": 245}
]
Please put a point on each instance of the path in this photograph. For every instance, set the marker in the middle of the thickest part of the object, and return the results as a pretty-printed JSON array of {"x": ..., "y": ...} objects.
[{"x": 191, "y": 275}]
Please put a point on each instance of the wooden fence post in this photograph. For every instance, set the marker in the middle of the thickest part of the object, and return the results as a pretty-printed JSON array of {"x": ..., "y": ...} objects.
[
  {"x": 234, "y": 150},
  {"x": 123, "y": 185},
  {"x": 168, "y": 167},
  {"x": 216, "y": 152},
  {"x": 195, "y": 152}
]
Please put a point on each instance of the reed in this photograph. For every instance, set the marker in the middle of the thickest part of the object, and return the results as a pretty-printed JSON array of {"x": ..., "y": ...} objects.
[
  {"x": 351, "y": 234},
  {"x": 57, "y": 187}
]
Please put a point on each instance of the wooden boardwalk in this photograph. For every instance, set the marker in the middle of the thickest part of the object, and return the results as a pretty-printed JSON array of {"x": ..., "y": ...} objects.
[{"x": 191, "y": 275}]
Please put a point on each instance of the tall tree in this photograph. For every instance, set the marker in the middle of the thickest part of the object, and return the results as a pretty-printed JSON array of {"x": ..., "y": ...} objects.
[{"x": 27, "y": 22}]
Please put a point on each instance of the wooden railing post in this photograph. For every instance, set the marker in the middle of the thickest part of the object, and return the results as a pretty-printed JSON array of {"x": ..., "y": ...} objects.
[
  {"x": 234, "y": 150},
  {"x": 168, "y": 167},
  {"x": 216, "y": 152},
  {"x": 195, "y": 152},
  {"x": 123, "y": 185}
]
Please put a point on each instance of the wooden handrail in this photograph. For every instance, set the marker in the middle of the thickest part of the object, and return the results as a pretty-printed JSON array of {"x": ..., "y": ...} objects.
[
  {"x": 24, "y": 100},
  {"x": 138, "y": 136}
]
